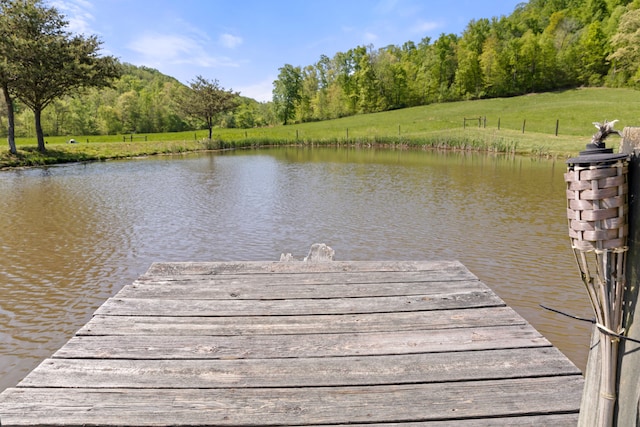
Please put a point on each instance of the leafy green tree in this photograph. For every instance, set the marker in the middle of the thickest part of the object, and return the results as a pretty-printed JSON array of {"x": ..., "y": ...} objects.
[
  {"x": 560, "y": 39},
  {"x": 625, "y": 43},
  {"x": 595, "y": 10},
  {"x": 9, "y": 106},
  {"x": 8, "y": 73},
  {"x": 53, "y": 62},
  {"x": 423, "y": 89},
  {"x": 129, "y": 108},
  {"x": 516, "y": 70},
  {"x": 365, "y": 97},
  {"x": 529, "y": 61},
  {"x": 469, "y": 78},
  {"x": 346, "y": 66},
  {"x": 391, "y": 87},
  {"x": 493, "y": 71},
  {"x": 57, "y": 116},
  {"x": 308, "y": 90},
  {"x": 266, "y": 114},
  {"x": 561, "y": 28},
  {"x": 410, "y": 66},
  {"x": 326, "y": 78},
  {"x": 206, "y": 100},
  {"x": 109, "y": 120},
  {"x": 287, "y": 92},
  {"x": 594, "y": 49},
  {"x": 245, "y": 114},
  {"x": 447, "y": 64},
  {"x": 337, "y": 102},
  {"x": 549, "y": 76}
]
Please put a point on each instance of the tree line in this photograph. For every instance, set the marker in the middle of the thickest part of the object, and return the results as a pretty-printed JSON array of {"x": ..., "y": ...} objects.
[
  {"x": 141, "y": 100},
  {"x": 543, "y": 45},
  {"x": 56, "y": 83}
]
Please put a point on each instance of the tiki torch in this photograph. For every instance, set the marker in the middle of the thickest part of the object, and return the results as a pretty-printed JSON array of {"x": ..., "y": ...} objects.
[{"x": 597, "y": 210}]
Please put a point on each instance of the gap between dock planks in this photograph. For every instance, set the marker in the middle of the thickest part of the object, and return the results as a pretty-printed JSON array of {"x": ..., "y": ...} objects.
[{"x": 298, "y": 343}]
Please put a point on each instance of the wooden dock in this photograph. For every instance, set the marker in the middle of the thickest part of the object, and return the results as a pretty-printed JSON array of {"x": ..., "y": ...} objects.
[{"x": 302, "y": 343}]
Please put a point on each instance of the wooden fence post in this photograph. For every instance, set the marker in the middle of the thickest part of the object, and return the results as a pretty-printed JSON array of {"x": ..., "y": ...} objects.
[{"x": 628, "y": 408}]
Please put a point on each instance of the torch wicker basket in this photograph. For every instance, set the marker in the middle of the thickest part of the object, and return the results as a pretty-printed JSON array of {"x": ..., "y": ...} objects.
[{"x": 597, "y": 206}]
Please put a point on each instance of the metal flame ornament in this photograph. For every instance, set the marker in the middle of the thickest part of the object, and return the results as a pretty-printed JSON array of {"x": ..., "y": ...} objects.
[{"x": 597, "y": 210}]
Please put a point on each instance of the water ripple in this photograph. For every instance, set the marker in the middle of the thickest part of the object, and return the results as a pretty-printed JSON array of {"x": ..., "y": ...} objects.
[{"x": 72, "y": 236}]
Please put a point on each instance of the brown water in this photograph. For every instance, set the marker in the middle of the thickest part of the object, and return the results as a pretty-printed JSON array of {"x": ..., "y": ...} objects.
[{"x": 72, "y": 236}]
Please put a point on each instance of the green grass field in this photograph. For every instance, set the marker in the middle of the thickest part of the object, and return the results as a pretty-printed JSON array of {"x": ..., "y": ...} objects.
[{"x": 524, "y": 125}]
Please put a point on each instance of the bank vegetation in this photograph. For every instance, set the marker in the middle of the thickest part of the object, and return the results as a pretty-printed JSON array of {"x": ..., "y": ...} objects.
[{"x": 555, "y": 124}]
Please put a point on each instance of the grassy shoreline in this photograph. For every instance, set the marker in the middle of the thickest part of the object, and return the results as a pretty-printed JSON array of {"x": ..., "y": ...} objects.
[
  {"x": 28, "y": 156},
  {"x": 556, "y": 125}
]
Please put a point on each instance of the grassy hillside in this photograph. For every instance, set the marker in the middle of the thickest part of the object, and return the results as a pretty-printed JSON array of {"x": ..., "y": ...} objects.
[{"x": 432, "y": 125}]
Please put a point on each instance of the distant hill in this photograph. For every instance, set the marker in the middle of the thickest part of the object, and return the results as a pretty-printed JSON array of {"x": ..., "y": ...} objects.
[
  {"x": 542, "y": 46},
  {"x": 142, "y": 100}
]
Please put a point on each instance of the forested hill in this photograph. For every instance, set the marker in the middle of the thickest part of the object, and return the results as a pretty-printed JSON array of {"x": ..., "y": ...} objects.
[
  {"x": 542, "y": 46},
  {"x": 142, "y": 100}
]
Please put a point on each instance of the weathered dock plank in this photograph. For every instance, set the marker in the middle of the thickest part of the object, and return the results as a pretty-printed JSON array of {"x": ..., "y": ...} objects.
[
  {"x": 293, "y": 343},
  {"x": 197, "y": 307},
  {"x": 304, "y": 324},
  {"x": 428, "y": 269},
  {"x": 290, "y": 346},
  {"x": 263, "y": 289},
  {"x": 324, "y": 371},
  {"x": 293, "y": 406}
]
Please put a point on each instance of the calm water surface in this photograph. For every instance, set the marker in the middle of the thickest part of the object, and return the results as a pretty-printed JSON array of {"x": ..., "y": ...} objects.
[{"x": 72, "y": 236}]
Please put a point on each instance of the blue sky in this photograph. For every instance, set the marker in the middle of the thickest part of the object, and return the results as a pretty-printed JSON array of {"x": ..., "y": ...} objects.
[{"x": 242, "y": 43}]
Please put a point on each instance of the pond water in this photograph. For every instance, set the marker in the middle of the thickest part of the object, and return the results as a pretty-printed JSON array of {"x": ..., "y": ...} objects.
[{"x": 72, "y": 236}]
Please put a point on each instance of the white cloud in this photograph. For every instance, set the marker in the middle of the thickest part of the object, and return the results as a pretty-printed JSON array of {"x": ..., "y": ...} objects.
[
  {"x": 261, "y": 91},
  {"x": 426, "y": 27},
  {"x": 384, "y": 7},
  {"x": 161, "y": 49},
  {"x": 230, "y": 41},
  {"x": 77, "y": 13},
  {"x": 370, "y": 37}
]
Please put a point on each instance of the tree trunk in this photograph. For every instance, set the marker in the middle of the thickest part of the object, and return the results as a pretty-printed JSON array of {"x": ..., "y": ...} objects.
[
  {"x": 37, "y": 112},
  {"x": 11, "y": 127},
  {"x": 210, "y": 126}
]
